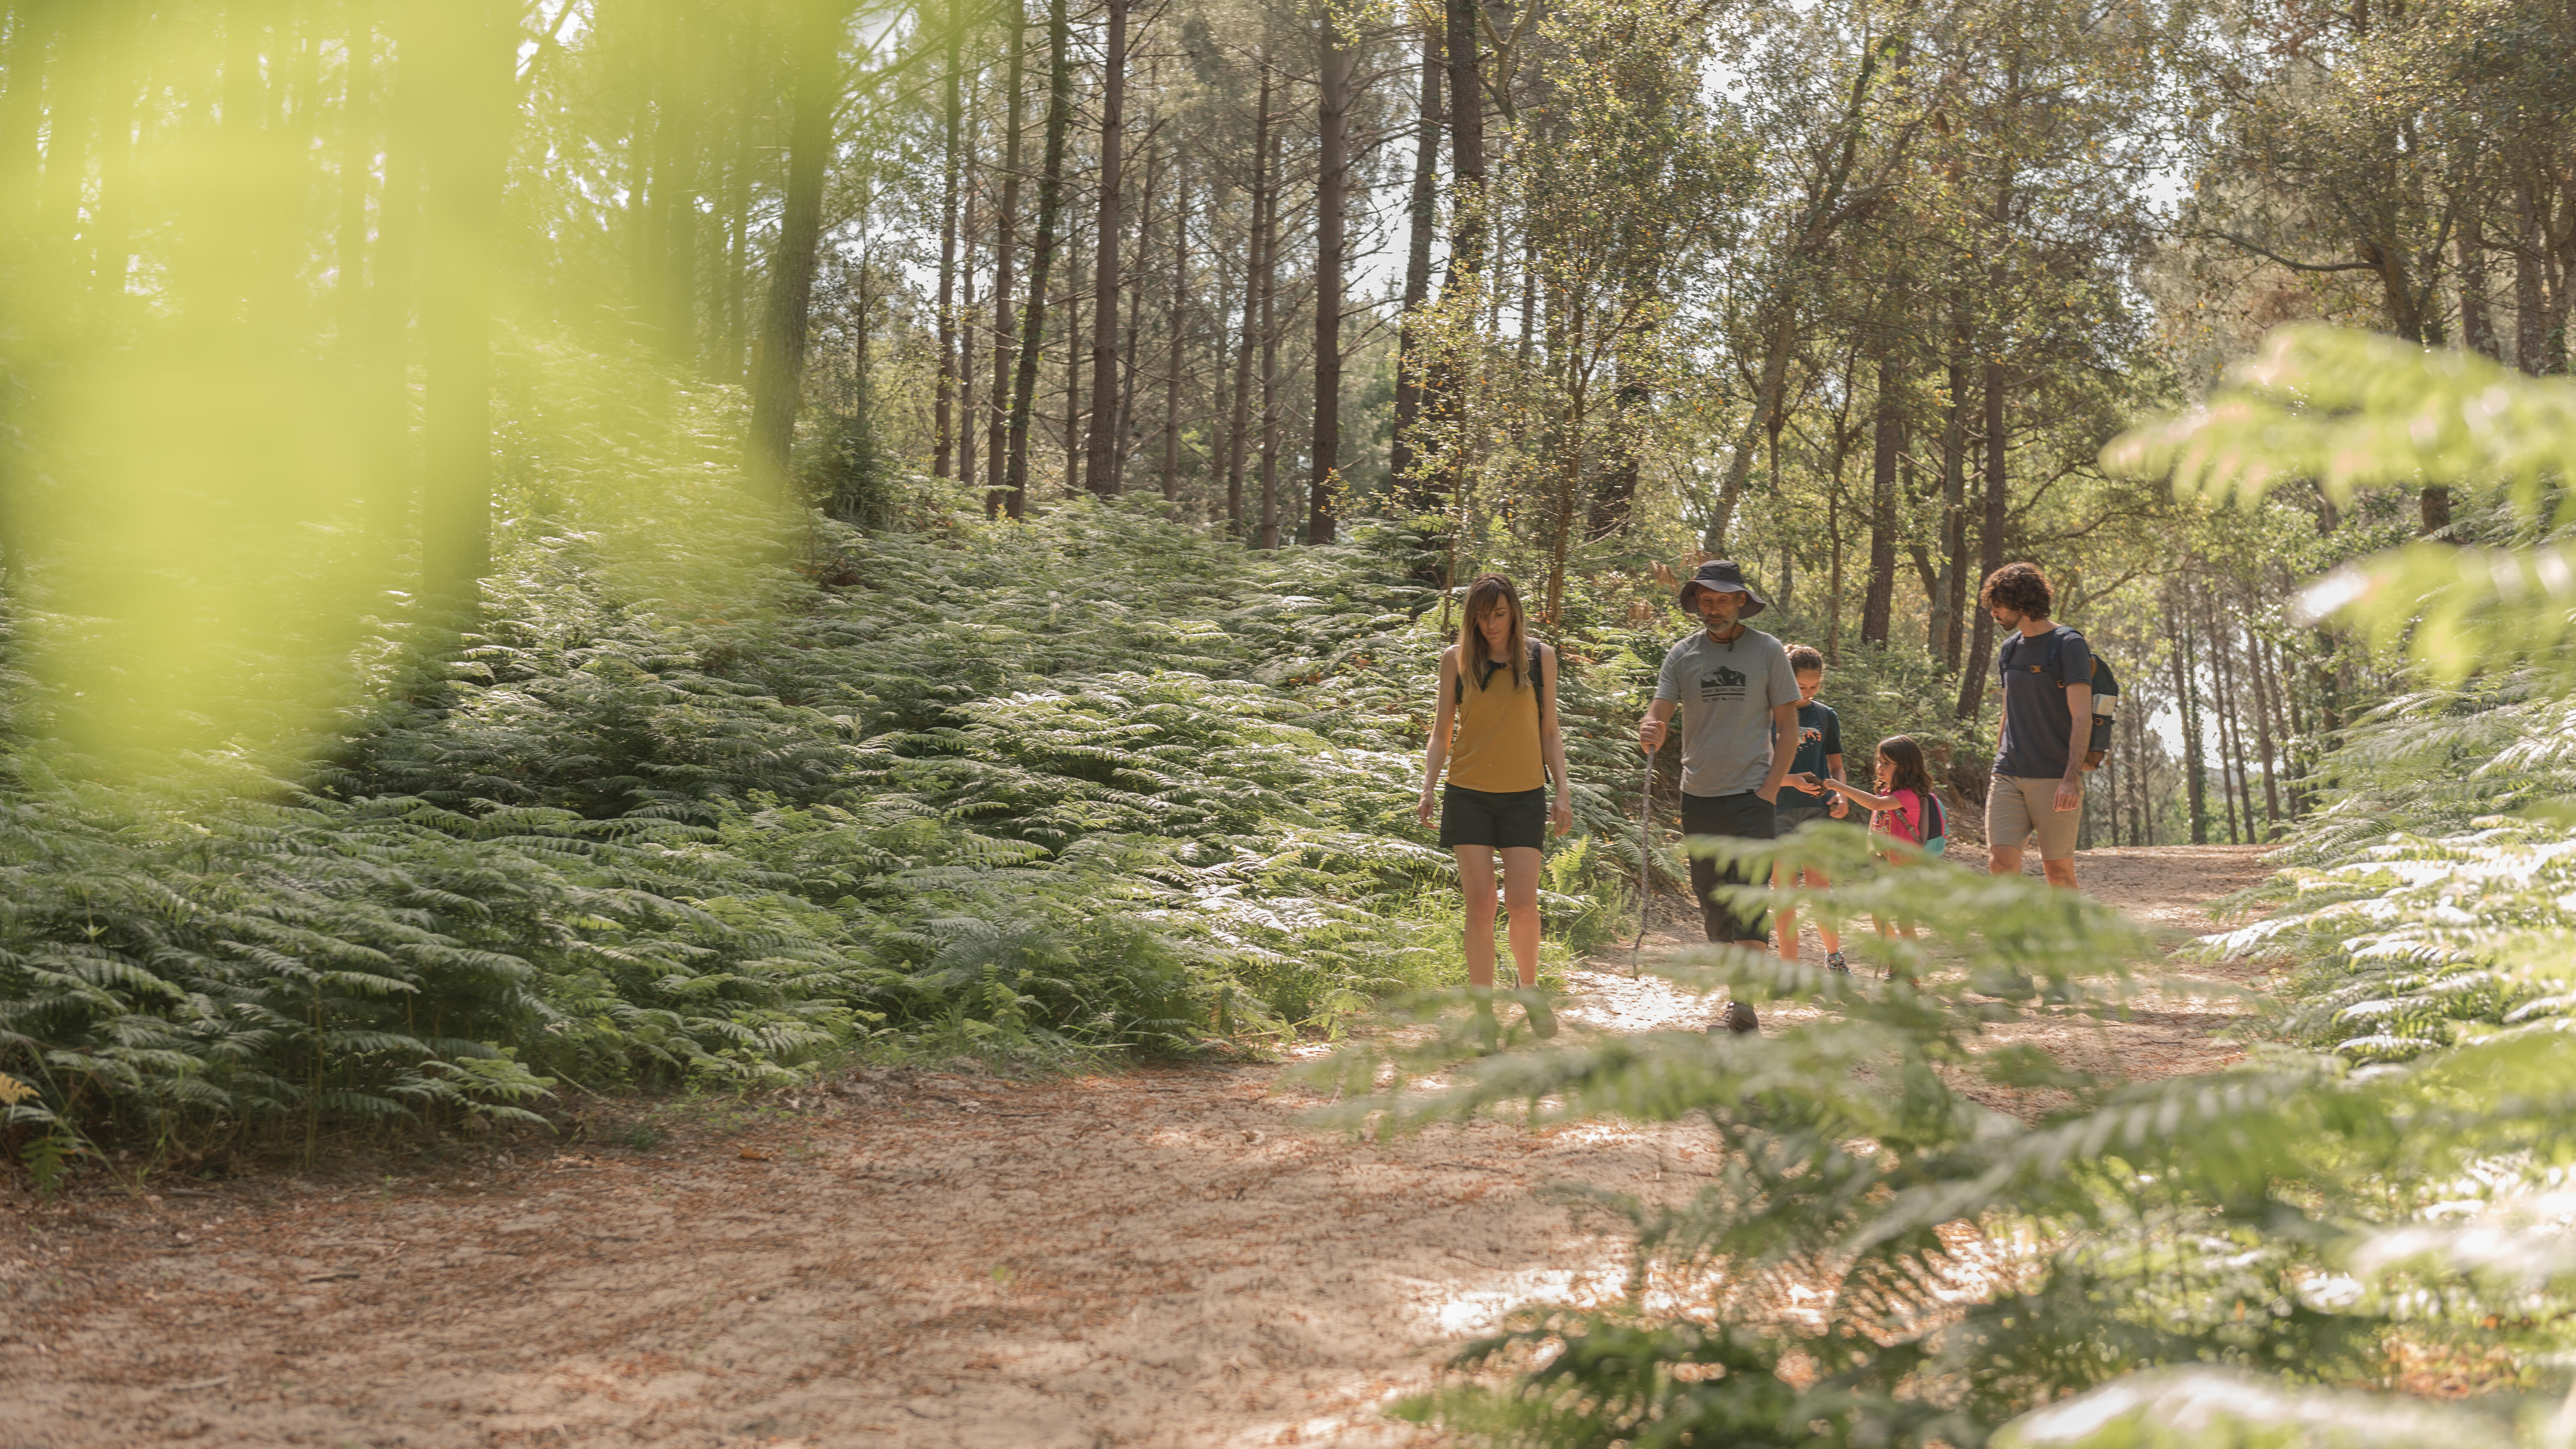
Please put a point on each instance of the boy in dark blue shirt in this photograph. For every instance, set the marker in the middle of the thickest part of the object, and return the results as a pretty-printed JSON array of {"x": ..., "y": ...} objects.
[{"x": 1819, "y": 753}]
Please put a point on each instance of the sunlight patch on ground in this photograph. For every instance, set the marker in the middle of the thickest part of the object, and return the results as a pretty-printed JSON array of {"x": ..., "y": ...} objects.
[{"x": 1469, "y": 1311}]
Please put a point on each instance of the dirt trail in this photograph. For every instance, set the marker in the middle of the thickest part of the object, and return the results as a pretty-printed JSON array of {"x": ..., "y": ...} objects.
[{"x": 1153, "y": 1258}]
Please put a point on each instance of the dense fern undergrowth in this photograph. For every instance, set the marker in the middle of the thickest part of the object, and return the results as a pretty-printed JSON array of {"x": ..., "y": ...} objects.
[{"x": 1094, "y": 782}]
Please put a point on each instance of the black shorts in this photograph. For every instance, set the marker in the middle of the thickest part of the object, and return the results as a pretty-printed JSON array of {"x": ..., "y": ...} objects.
[
  {"x": 1787, "y": 817},
  {"x": 1481, "y": 817},
  {"x": 1745, "y": 816}
]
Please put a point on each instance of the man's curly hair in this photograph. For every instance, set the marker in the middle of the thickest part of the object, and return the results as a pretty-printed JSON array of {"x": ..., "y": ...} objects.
[{"x": 2020, "y": 587}]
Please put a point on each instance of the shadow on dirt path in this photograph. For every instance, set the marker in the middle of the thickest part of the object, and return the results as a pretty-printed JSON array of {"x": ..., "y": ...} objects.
[{"x": 1153, "y": 1258}]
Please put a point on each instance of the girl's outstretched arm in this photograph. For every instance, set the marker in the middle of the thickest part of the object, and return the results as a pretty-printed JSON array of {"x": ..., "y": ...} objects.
[
  {"x": 1438, "y": 754},
  {"x": 1844, "y": 788}
]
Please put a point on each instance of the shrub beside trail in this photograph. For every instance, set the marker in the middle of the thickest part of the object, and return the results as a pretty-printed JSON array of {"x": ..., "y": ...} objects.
[{"x": 1091, "y": 782}]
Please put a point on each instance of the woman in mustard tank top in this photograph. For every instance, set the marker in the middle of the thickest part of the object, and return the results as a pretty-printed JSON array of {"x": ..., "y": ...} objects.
[{"x": 1496, "y": 733}]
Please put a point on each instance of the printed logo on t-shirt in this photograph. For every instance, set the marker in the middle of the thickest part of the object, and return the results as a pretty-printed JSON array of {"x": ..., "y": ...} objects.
[
  {"x": 1723, "y": 683},
  {"x": 1810, "y": 735}
]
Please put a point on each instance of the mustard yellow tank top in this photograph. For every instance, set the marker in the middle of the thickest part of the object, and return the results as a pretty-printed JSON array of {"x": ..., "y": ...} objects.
[{"x": 1494, "y": 746}]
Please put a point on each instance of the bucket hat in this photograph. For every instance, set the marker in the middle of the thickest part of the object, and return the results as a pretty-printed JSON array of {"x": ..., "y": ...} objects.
[{"x": 1723, "y": 574}]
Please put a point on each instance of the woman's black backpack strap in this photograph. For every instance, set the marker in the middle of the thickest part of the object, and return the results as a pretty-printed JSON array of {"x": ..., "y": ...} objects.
[{"x": 1537, "y": 675}]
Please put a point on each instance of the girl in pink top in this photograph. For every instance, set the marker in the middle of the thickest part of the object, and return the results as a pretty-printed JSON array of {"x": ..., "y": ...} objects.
[{"x": 1898, "y": 810}]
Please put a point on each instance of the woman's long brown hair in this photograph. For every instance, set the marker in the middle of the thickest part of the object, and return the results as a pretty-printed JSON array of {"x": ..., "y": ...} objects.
[{"x": 1490, "y": 591}]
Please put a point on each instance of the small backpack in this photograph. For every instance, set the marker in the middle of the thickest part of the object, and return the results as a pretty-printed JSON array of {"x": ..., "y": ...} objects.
[
  {"x": 1934, "y": 827},
  {"x": 2106, "y": 692}
]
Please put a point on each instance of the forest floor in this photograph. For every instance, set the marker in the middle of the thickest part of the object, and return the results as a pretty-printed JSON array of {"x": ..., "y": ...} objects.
[{"x": 1144, "y": 1257}]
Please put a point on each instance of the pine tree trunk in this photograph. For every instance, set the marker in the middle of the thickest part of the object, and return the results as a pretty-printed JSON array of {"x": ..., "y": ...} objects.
[
  {"x": 469, "y": 51},
  {"x": 669, "y": 221},
  {"x": 2530, "y": 266},
  {"x": 1954, "y": 506},
  {"x": 392, "y": 482},
  {"x": 24, "y": 66},
  {"x": 964, "y": 360},
  {"x": 943, "y": 405},
  {"x": 2222, "y": 708},
  {"x": 1101, "y": 465},
  {"x": 1042, "y": 255},
  {"x": 67, "y": 123},
  {"x": 1886, "y": 445},
  {"x": 2187, "y": 696},
  {"x": 1990, "y": 544},
  {"x": 1623, "y": 464},
  {"x": 1468, "y": 223},
  {"x": 1007, "y": 497},
  {"x": 2262, "y": 689},
  {"x": 778, "y": 363},
  {"x": 1077, "y": 353},
  {"x": 1220, "y": 374},
  {"x": 2232, "y": 720},
  {"x": 1175, "y": 319},
  {"x": 1422, "y": 216},
  {"x": 1262, "y": 187},
  {"x": 357, "y": 172},
  {"x": 862, "y": 397},
  {"x": 2477, "y": 323},
  {"x": 1270, "y": 359},
  {"x": 1445, "y": 390},
  {"x": 680, "y": 202},
  {"x": 1834, "y": 546},
  {"x": 746, "y": 159},
  {"x": 1990, "y": 547},
  {"x": 1135, "y": 312},
  {"x": 2287, "y": 727},
  {"x": 1332, "y": 199}
]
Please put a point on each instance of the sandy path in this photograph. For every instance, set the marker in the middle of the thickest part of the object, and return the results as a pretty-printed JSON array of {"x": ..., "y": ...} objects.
[{"x": 1152, "y": 1258}]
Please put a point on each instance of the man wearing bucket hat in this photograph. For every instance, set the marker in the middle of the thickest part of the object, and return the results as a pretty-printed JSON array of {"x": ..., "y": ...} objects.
[{"x": 1735, "y": 692}]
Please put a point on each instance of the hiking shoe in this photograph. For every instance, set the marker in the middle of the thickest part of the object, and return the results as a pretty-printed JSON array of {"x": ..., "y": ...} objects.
[
  {"x": 1541, "y": 1020},
  {"x": 1737, "y": 1018},
  {"x": 1487, "y": 1031},
  {"x": 1835, "y": 963}
]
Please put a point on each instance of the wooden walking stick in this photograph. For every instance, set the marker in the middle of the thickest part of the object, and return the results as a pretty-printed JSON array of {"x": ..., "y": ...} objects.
[{"x": 1645, "y": 860}]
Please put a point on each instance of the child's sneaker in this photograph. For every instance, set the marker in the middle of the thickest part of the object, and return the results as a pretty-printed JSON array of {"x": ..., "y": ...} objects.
[
  {"x": 1835, "y": 963},
  {"x": 1737, "y": 1018}
]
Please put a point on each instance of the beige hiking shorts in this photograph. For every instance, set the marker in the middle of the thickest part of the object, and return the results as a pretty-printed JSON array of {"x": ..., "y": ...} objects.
[{"x": 2018, "y": 808}]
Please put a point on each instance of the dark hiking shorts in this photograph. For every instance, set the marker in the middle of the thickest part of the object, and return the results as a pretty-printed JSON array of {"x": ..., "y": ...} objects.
[
  {"x": 1481, "y": 817},
  {"x": 1786, "y": 818},
  {"x": 1746, "y": 816}
]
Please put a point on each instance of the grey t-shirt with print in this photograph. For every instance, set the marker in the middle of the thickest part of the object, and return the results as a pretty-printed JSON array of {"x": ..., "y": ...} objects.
[{"x": 1726, "y": 693}]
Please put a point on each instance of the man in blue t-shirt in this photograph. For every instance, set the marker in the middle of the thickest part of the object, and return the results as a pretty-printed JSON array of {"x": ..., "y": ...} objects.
[{"x": 2047, "y": 674}]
